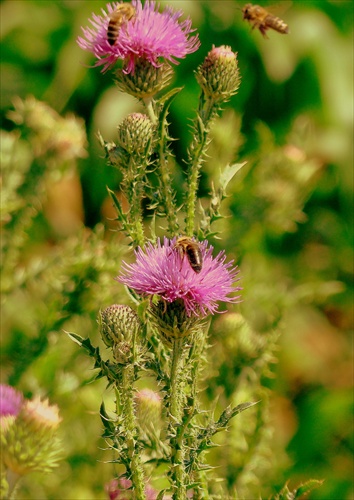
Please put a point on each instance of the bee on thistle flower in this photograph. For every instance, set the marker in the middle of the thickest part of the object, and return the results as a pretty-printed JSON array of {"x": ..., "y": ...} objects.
[
  {"x": 123, "y": 13},
  {"x": 134, "y": 33},
  {"x": 161, "y": 271},
  {"x": 191, "y": 249}
]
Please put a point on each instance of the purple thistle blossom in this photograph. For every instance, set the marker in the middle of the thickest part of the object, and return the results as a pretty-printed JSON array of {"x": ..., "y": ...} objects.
[
  {"x": 161, "y": 270},
  {"x": 149, "y": 35},
  {"x": 11, "y": 401}
]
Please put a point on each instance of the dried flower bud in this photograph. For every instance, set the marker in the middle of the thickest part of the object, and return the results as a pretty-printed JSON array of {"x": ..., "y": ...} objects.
[
  {"x": 31, "y": 442},
  {"x": 146, "y": 80},
  {"x": 135, "y": 133},
  {"x": 218, "y": 75}
]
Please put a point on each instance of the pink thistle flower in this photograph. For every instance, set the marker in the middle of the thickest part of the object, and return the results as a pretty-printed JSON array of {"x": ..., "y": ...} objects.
[
  {"x": 162, "y": 270},
  {"x": 148, "y": 35},
  {"x": 11, "y": 401}
]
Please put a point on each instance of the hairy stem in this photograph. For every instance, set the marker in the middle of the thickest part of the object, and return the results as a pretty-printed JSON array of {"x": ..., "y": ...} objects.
[
  {"x": 196, "y": 153},
  {"x": 165, "y": 178},
  {"x": 178, "y": 473},
  {"x": 137, "y": 474}
]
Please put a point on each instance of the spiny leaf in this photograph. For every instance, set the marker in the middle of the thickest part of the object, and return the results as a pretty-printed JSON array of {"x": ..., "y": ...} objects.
[
  {"x": 228, "y": 173},
  {"x": 107, "y": 422},
  {"x": 229, "y": 412},
  {"x": 305, "y": 488},
  {"x": 166, "y": 102},
  {"x": 75, "y": 337},
  {"x": 160, "y": 496}
]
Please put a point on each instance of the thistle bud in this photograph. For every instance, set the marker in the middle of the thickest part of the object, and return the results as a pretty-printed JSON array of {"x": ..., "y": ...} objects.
[
  {"x": 119, "y": 325},
  {"x": 148, "y": 409},
  {"x": 135, "y": 133},
  {"x": 30, "y": 443},
  {"x": 218, "y": 75},
  {"x": 146, "y": 80}
]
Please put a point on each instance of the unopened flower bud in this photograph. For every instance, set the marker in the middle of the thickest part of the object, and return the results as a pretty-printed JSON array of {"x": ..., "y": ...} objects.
[
  {"x": 148, "y": 408},
  {"x": 218, "y": 75},
  {"x": 134, "y": 133},
  {"x": 31, "y": 442},
  {"x": 119, "y": 326},
  {"x": 146, "y": 80}
]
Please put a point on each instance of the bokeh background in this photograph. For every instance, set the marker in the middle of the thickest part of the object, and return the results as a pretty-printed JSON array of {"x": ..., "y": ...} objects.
[{"x": 289, "y": 225}]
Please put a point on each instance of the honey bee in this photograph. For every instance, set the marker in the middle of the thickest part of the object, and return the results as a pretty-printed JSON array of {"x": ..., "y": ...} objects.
[
  {"x": 123, "y": 13},
  {"x": 191, "y": 249},
  {"x": 263, "y": 20}
]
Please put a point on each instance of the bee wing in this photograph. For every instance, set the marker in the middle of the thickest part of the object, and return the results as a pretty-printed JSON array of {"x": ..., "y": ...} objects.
[{"x": 278, "y": 9}]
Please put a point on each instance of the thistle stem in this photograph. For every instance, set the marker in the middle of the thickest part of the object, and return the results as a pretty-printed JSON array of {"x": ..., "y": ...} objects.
[
  {"x": 12, "y": 480},
  {"x": 137, "y": 473},
  {"x": 135, "y": 195},
  {"x": 126, "y": 392},
  {"x": 197, "y": 151},
  {"x": 164, "y": 168},
  {"x": 178, "y": 473},
  {"x": 148, "y": 102}
]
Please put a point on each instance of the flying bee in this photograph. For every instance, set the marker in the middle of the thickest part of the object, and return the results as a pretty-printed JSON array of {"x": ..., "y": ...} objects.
[
  {"x": 263, "y": 20},
  {"x": 123, "y": 13},
  {"x": 191, "y": 249}
]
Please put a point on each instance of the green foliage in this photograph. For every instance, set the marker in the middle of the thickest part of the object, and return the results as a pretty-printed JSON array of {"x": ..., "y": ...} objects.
[{"x": 287, "y": 218}]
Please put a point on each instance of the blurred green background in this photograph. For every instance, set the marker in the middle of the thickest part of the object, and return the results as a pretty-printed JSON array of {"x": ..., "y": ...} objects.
[{"x": 289, "y": 227}]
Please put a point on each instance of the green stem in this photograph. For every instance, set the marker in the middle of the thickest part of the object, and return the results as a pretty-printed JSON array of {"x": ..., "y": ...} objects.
[
  {"x": 131, "y": 438},
  {"x": 165, "y": 177},
  {"x": 178, "y": 473},
  {"x": 136, "y": 213},
  {"x": 148, "y": 102},
  {"x": 12, "y": 480},
  {"x": 197, "y": 151}
]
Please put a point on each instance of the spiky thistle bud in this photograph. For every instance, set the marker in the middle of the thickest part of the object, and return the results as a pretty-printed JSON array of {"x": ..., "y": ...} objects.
[
  {"x": 31, "y": 443},
  {"x": 135, "y": 134},
  {"x": 148, "y": 409},
  {"x": 218, "y": 75},
  {"x": 146, "y": 81},
  {"x": 119, "y": 326}
]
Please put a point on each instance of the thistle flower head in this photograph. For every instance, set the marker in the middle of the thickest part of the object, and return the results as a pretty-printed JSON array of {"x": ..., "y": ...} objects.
[
  {"x": 31, "y": 443},
  {"x": 41, "y": 413},
  {"x": 162, "y": 270},
  {"x": 148, "y": 35}
]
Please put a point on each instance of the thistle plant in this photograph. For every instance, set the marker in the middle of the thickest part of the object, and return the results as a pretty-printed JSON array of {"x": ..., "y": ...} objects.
[
  {"x": 29, "y": 438},
  {"x": 164, "y": 332}
]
